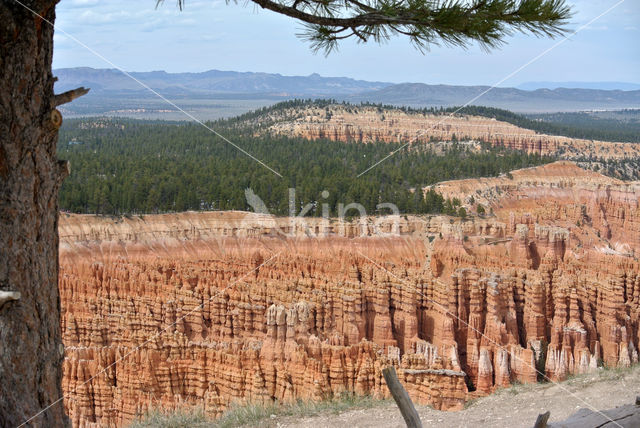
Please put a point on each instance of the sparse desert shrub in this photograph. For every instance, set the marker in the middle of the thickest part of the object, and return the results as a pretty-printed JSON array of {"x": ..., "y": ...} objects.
[
  {"x": 178, "y": 418},
  {"x": 253, "y": 414}
]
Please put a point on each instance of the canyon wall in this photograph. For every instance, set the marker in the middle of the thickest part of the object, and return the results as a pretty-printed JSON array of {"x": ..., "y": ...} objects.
[
  {"x": 215, "y": 308},
  {"x": 369, "y": 124}
]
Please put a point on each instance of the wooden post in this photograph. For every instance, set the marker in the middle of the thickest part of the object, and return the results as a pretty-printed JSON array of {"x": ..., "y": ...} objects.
[
  {"x": 401, "y": 397},
  {"x": 542, "y": 420}
]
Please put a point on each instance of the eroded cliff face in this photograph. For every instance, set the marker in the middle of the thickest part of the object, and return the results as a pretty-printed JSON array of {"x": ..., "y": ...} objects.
[
  {"x": 243, "y": 321},
  {"x": 214, "y": 308},
  {"x": 369, "y": 124}
]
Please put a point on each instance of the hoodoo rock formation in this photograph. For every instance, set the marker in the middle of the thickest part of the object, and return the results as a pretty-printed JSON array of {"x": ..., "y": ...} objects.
[
  {"x": 368, "y": 124},
  {"x": 214, "y": 308}
]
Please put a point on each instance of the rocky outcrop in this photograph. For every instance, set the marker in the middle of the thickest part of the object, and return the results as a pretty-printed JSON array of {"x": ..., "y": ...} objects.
[
  {"x": 215, "y": 308},
  {"x": 370, "y": 124},
  {"x": 557, "y": 199},
  {"x": 560, "y": 281},
  {"x": 181, "y": 229}
]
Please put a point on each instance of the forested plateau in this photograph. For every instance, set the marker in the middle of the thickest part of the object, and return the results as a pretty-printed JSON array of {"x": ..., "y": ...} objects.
[{"x": 124, "y": 166}]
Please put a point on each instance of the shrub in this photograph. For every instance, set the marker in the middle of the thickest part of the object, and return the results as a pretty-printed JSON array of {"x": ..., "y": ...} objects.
[{"x": 252, "y": 414}]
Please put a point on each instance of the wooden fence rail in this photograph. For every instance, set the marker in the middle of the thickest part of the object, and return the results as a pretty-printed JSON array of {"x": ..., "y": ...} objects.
[{"x": 401, "y": 398}]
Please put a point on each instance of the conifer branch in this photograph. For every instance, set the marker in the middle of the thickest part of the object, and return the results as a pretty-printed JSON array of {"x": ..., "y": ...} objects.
[{"x": 425, "y": 22}]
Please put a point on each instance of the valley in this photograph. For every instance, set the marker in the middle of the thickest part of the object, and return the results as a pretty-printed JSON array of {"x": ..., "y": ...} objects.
[
  {"x": 215, "y": 94},
  {"x": 213, "y": 308},
  {"x": 328, "y": 230}
]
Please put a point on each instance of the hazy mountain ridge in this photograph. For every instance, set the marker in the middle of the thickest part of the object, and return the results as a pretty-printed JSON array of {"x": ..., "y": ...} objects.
[
  {"x": 212, "y": 82},
  {"x": 213, "y": 94},
  {"x": 606, "y": 86},
  {"x": 540, "y": 100}
]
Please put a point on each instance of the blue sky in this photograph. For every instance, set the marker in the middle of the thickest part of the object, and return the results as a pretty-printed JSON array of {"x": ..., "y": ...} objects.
[{"x": 210, "y": 34}]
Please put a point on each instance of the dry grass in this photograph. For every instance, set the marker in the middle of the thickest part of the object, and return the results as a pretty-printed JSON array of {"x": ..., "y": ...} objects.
[{"x": 253, "y": 414}]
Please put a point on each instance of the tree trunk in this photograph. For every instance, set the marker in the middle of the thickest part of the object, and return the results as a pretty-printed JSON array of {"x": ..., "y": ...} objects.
[{"x": 31, "y": 351}]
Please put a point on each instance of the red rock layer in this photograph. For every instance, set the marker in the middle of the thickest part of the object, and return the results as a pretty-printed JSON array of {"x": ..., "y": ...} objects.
[
  {"x": 185, "y": 310},
  {"x": 211, "y": 328},
  {"x": 555, "y": 281}
]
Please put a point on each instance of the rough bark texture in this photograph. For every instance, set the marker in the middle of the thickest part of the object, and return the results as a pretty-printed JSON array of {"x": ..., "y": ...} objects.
[{"x": 31, "y": 351}]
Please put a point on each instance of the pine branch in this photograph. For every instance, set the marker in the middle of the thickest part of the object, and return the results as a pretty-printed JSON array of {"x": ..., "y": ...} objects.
[{"x": 425, "y": 22}]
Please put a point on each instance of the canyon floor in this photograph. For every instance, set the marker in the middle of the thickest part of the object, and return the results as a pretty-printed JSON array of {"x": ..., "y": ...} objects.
[{"x": 513, "y": 407}]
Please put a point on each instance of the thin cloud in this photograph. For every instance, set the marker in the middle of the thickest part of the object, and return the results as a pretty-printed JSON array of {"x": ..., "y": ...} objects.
[
  {"x": 81, "y": 3},
  {"x": 141, "y": 37}
]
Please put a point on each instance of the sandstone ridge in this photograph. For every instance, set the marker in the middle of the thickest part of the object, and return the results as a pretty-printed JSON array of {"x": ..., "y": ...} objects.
[{"x": 368, "y": 124}]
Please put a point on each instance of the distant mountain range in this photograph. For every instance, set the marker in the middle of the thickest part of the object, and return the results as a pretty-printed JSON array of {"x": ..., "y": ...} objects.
[
  {"x": 607, "y": 86},
  {"x": 540, "y": 100},
  {"x": 211, "y": 83},
  {"x": 215, "y": 93}
]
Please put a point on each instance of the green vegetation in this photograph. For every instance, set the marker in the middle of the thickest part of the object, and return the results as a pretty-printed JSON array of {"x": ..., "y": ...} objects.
[
  {"x": 123, "y": 166},
  {"x": 253, "y": 414},
  {"x": 624, "y": 169},
  {"x": 585, "y": 125},
  {"x": 424, "y": 23},
  {"x": 179, "y": 418},
  {"x": 621, "y": 125},
  {"x": 617, "y": 126}
]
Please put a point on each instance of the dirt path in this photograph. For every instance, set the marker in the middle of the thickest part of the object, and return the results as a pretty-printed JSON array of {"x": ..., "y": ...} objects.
[{"x": 517, "y": 406}]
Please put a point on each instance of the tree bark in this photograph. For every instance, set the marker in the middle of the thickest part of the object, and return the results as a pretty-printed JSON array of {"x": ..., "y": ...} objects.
[{"x": 31, "y": 351}]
